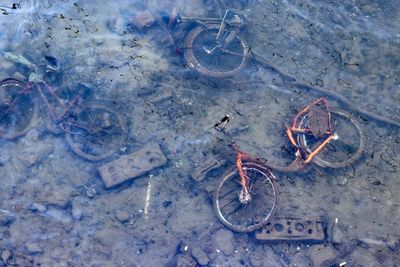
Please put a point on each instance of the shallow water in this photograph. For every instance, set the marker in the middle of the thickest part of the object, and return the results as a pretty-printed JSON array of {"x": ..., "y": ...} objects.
[{"x": 58, "y": 210}]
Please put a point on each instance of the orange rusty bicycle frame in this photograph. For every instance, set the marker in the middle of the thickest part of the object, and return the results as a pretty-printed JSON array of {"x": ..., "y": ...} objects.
[
  {"x": 290, "y": 131},
  {"x": 240, "y": 156}
]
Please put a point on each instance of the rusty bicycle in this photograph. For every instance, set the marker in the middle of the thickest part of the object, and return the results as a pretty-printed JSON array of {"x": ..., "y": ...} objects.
[
  {"x": 213, "y": 46},
  {"x": 93, "y": 129},
  {"x": 216, "y": 48},
  {"x": 245, "y": 199},
  {"x": 323, "y": 135}
]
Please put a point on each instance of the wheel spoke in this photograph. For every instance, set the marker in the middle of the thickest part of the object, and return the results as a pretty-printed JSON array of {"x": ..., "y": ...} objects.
[{"x": 255, "y": 213}]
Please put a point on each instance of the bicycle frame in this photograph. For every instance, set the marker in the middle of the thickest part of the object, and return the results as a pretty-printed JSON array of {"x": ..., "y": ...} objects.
[
  {"x": 244, "y": 195},
  {"x": 231, "y": 19},
  {"x": 294, "y": 129}
]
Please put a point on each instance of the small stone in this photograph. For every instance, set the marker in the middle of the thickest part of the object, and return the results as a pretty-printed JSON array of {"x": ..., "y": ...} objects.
[
  {"x": 76, "y": 213},
  {"x": 91, "y": 192},
  {"x": 122, "y": 216},
  {"x": 184, "y": 261},
  {"x": 6, "y": 218},
  {"x": 5, "y": 255},
  {"x": 59, "y": 196},
  {"x": 342, "y": 180},
  {"x": 59, "y": 215},
  {"x": 337, "y": 235},
  {"x": 117, "y": 24},
  {"x": 38, "y": 207},
  {"x": 200, "y": 256},
  {"x": 33, "y": 248},
  {"x": 392, "y": 241},
  {"x": 167, "y": 203},
  {"x": 224, "y": 241}
]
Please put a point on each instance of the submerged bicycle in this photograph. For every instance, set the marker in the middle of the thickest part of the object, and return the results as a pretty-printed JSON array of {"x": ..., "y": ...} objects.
[
  {"x": 246, "y": 198},
  {"x": 93, "y": 130},
  {"x": 216, "y": 48},
  {"x": 323, "y": 135}
]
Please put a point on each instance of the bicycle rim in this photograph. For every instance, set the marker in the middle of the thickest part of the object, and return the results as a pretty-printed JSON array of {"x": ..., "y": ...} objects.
[
  {"x": 19, "y": 111},
  {"x": 255, "y": 214},
  {"x": 339, "y": 153},
  {"x": 95, "y": 131},
  {"x": 201, "y": 53}
]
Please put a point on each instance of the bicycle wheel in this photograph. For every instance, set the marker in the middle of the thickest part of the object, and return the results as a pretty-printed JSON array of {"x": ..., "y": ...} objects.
[
  {"x": 343, "y": 151},
  {"x": 246, "y": 217},
  {"x": 19, "y": 110},
  {"x": 95, "y": 131},
  {"x": 204, "y": 55}
]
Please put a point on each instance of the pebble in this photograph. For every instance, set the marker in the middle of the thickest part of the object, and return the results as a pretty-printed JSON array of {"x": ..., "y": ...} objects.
[
  {"x": 5, "y": 255},
  {"x": 59, "y": 197},
  {"x": 59, "y": 215},
  {"x": 122, "y": 216},
  {"x": 393, "y": 241},
  {"x": 167, "y": 203},
  {"x": 38, "y": 207},
  {"x": 117, "y": 25},
  {"x": 337, "y": 235},
  {"x": 76, "y": 213},
  {"x": 91, "y": 192},
  {"x": 6, "y": 218},
  {"x": 200, "y": 256},
  {"x": 33, "y": 248},
  {"x": 184, "y": 261},
  {"x": 224, "y": 241}
]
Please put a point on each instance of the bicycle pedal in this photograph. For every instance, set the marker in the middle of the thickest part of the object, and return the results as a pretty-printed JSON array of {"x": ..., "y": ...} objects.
[{"x": 293, "y": 229}]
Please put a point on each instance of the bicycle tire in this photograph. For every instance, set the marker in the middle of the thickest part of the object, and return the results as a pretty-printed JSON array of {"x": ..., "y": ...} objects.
[
  {"x": 255, "y": 219},
  {"x": 318, "y": 160},
  {"x": 27, "y": 112},
  {"x": 195, "y": 61},
  {"x": 77, "y": 133}
]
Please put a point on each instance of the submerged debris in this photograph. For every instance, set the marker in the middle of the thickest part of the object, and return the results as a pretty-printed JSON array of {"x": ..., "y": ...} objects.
[{"x": 133, "y": 165}]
